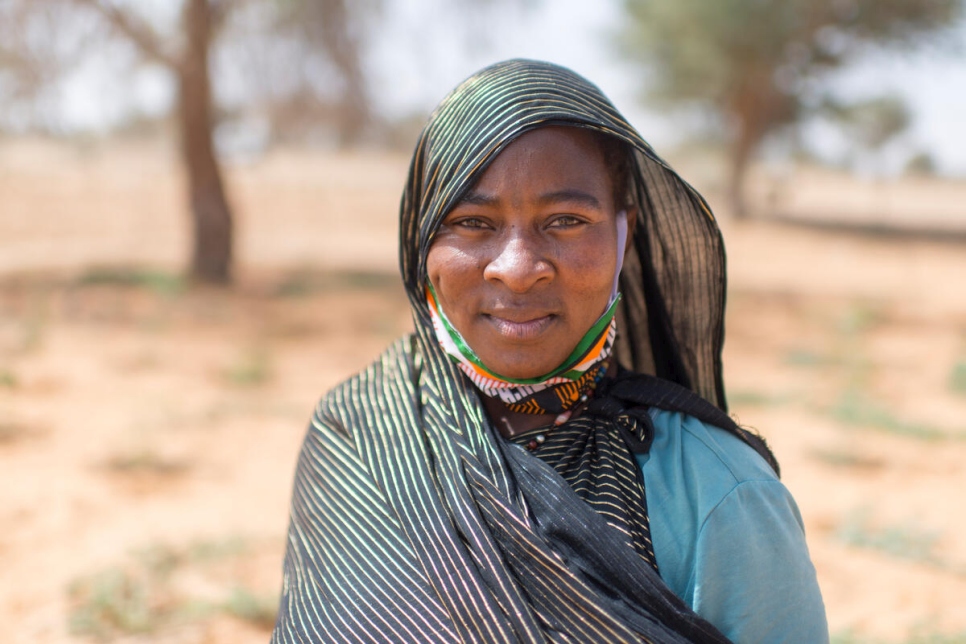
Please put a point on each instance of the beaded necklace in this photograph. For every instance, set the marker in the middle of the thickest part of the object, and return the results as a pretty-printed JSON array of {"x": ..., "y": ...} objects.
[{"x": 586, "y": 393}]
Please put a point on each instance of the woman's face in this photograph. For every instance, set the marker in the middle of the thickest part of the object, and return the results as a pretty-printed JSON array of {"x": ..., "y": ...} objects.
[{"x": 524, "y": 265}]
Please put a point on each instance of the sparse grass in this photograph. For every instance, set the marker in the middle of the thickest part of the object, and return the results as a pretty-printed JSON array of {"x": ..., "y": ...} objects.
[
  {"x": 259, "y": 610},
  {"x": 252, "y": 368},
  {"x": 859, "y": 317},
  {"x": 919, "y": 635},
  {"x": 807, "y": 358},
  {"x": 204, "y": 551},
  {"x": 303, "y": 283},
  {"x": 847, "y": 637},
  {"x": 159, "y": 282},
  {"x": 957, "y": 378},
  {"x": 855, "y": 409},
  {"x": 160, "y": 560},
  {"x": 120, "y": 602},
  {"x": 757, "y": 399},
  {"x": 146, "y": 461},
  {"x": 854, "y": 406},
  {"x": 143, "y": 596},
  {"x": 906, "y": 541},
  {"x": 846, "y": 459},
  {"x": 8, "y": 379},
  {"x": 34, "y": 324}
]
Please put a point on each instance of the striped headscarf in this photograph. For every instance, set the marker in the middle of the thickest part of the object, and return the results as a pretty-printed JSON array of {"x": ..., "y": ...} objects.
[{"x": 411, "y": 519}]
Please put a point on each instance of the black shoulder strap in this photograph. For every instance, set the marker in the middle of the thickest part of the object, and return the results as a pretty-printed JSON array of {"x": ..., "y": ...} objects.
[{"x": 649, "y": 391}]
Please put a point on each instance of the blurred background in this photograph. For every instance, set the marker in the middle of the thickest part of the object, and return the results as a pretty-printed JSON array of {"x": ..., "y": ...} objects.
[{"x": 198, "y": 204}]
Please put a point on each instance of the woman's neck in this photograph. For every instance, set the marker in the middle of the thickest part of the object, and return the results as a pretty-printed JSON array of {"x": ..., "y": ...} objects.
[{"x": 513, "y": 423}]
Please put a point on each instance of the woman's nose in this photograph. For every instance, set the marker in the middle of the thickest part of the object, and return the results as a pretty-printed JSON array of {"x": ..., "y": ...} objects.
[{"x": 520, "y": 262}]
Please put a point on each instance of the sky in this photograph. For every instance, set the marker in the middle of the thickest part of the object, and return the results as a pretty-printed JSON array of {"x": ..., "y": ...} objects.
[{"x": 413, "y": 68}]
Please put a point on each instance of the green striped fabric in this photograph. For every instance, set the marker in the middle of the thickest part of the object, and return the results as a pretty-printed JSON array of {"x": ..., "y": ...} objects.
[{"x": 411, "y": 519}]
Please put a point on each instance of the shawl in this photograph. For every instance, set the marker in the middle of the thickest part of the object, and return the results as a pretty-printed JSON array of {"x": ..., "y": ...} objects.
[{"x": 412, "y": 520}]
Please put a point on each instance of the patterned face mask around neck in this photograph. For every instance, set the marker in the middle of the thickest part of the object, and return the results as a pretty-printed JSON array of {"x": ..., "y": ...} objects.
[{"x": 557, "y": 391}]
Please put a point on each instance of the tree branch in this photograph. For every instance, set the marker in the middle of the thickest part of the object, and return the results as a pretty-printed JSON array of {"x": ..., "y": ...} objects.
[
  {"x": 220, "y": 10},
  {"x": 135, "y": 31}
]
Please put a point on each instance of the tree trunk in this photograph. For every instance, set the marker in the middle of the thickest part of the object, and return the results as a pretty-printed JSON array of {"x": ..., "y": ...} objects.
[
  {"x": 341, "y": 41},
  {"x": 742, "y": 149},
  {"x": 210, "y": 213}
]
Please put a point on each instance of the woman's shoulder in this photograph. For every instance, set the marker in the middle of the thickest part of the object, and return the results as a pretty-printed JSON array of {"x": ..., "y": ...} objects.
[
  {"x": 727, "y": 534},
  {"x": 395, "y": 364},
  {"x": 705, "y": 450},
  {"x": 639, "y": 390},
  {"x": 381, "y": 383}
]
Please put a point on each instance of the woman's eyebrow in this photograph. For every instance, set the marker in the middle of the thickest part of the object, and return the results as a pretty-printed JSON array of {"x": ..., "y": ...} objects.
[
  {"x": 473, "y": 198},
  {"x": 570, "y": 196}
]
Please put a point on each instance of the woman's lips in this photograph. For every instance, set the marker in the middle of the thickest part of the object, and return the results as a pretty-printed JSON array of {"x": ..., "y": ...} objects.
[{"x": 520, "y": 329}]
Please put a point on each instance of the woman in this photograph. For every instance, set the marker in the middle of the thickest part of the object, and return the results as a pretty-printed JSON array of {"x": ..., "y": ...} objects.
[{"x": 508, "y": 473}]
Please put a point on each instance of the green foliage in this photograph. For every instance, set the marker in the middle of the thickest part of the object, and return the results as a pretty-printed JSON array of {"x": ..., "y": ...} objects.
[
  {"x": 957, "y": 377},
  {"x": 205, "y": 551},
  {"x": 874, "y": 122},
  {"x": 713, "y": 51},
  {"x": 259, "y": 610},
  {"x": 146, "y": 460},
  {"x": 757, "y": 399},
  {"x": 905, "y": 541},
  {"x": 857, "y": 319},
  {"x": 758, "y": 64},
  {"x": 921, "y": 164},
  {"x": 908, "y": 541},
  {"x": 806, "y": 358},
  {"x": 8, "y": 379},
  {"x": 156, "y": 281},
  {"x": 304, "y": 282},
  {"x": 143, "y": 596},
  {"x": 846, "y": 459},
  {"x": 856, "y": 409},
  {"x": 870, "y": 124},
  {"x": 855, "y": 406},
  {"x": 920, "y": 635},
  {"x": 34, "y": 325},
  {"x": 118, "y": 602},
  {"x": 252, "y": 368}
]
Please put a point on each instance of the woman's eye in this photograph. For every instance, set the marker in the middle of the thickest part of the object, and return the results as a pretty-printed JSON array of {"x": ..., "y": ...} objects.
[
  {"x": 470, "y": 222},
  {"x": 565, "y": 221}
]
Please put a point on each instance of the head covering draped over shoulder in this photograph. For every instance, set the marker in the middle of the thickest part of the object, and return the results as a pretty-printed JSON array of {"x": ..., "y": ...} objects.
[
  {"x": 671, "y": 320},
  {"x": 411, "y": 519}
]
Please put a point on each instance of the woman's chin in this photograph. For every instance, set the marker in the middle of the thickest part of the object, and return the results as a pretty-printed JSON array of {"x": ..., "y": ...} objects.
[{"x": 523, "y": 369}]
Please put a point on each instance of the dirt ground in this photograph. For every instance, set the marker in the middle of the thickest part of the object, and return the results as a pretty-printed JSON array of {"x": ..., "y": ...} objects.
[{"x": 149, "y": 429}]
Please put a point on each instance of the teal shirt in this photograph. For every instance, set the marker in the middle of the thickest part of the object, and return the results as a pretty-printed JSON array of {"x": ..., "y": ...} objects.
[{"x": 728, "y": 536}]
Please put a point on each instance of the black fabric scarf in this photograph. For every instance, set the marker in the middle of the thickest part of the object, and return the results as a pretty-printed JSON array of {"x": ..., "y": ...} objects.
[
  {"x": 412, "y": 520},
  {"x": 443, "y": 535},
  {"x": 595, "y": 452}
]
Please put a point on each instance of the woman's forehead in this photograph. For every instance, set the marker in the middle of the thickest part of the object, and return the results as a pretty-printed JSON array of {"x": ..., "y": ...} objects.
[
  {"x": 548, "y": 161},
  {"x": 543, "y": 150}
]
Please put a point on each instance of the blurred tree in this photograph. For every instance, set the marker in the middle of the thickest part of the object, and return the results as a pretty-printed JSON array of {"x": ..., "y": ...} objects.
[
  {"x": 187, "y": 57},
  {"x": 318, "y": 73},
  {"x": 20, "y": 66},
  {"x": 757, "y": 63},
  {"x": 336, "y": 30},
  {"x": 187, "y": 53},
  {"x": 314, "y": 58},
  {"x": 28, "y": 60},
  {"x": 921, "y": 164},
  {"x": 871, "y": 123}
]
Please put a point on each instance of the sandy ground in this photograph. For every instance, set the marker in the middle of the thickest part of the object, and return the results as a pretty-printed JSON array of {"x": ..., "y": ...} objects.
[{"x": 148, "y": 430}]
